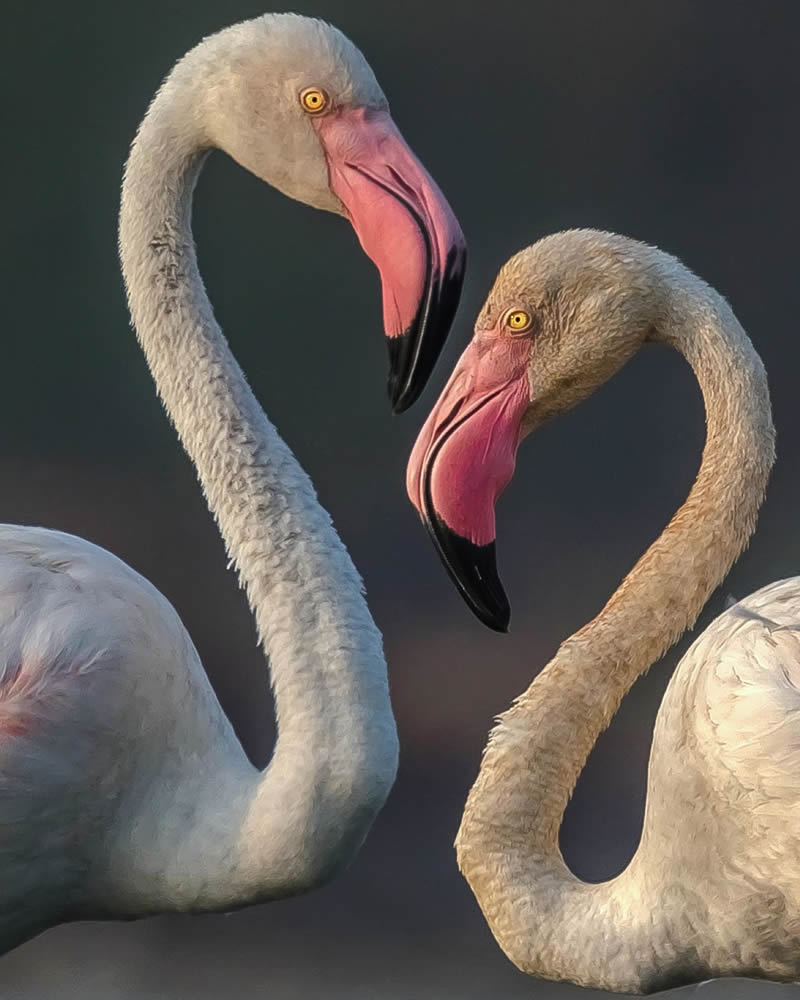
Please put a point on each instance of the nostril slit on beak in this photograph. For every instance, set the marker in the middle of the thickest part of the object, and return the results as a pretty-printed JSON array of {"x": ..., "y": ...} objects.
[{"x": 401, "y": 182}]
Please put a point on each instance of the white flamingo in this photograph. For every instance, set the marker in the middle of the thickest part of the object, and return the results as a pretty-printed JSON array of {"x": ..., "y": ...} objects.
[
  {"x": 714, "y": 886},
  {"x": 123, "y": 788}
]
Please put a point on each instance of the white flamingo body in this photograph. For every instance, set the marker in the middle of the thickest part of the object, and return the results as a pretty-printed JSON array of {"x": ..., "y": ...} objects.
[
  {"x": 123, "y": 788},
  {"x": 724, "y": 793},
  {"x": 714, "y": 886},
  {"x": 95, "y": 663}
]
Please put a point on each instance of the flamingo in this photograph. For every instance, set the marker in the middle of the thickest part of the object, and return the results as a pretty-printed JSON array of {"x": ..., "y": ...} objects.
[
  {"x": 714, "y": 886},
  {"x": 123, "y": 788}
]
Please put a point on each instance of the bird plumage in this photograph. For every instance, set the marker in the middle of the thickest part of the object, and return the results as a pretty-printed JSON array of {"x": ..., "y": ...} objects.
[
  {"x": 123, "y": 788},
  {"x": 714, "y": 886}
]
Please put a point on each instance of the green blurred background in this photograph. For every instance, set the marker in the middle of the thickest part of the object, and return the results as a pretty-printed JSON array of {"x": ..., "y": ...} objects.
[{"x": 670, "y": 120}]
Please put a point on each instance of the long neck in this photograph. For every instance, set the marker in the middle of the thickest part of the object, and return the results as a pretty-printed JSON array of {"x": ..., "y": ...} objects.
[
  {"x": 548, "y": 922},
  {"x": 335, "y": 756}
]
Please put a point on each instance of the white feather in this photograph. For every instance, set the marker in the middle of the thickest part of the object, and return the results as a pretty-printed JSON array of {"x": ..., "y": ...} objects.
[
  {"x": 714, "y": 887},
  {"x": 123, "y": 789}
]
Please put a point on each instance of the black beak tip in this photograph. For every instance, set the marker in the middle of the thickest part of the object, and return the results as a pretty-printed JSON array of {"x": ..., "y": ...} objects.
[
  {"x": 473, "y": 569},
  {"x": 413, "y": 354},
  {"x": 401, "y": 404},
  {"x": 401, "y": 397},
  {"x": 400, "y": 386},
  {"x": 498, "y": 621},
  {"x": 490, "y": 606}
]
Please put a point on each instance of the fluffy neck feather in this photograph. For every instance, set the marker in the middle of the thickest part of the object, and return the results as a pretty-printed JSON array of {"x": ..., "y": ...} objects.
[
  {"x": 547, "y": 921},
  {"x": 335, "y": 758}
]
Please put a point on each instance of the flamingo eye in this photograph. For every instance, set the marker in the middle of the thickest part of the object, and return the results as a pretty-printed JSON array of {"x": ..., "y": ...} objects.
[
  {"x": 314, "y": 100},
  {"x": 518, "y": 320}
]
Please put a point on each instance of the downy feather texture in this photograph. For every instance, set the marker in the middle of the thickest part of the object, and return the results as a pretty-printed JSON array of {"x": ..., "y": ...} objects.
[
  {"x": 123, "y": 788},
  {"x": 714, "y": 886}
]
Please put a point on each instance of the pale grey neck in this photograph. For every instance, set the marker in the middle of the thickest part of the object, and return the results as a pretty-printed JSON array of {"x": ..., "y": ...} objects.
[
  {"x": 336, "y": 735},
  {"x": 549, "y": 922}
]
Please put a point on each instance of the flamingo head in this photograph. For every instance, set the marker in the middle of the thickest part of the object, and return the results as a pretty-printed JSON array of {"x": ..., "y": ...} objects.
[
  {"x": 563, "y": 316},
  {"x": 295, "y": 102}
]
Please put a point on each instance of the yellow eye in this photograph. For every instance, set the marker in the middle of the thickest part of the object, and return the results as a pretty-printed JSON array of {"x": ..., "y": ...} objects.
[
  {"x": 314, "y": 100},
  {"x": 517, "y": 320}
]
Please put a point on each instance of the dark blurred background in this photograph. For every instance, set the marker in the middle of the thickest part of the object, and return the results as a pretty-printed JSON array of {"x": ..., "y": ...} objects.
[{"x": 674, "y": 122}]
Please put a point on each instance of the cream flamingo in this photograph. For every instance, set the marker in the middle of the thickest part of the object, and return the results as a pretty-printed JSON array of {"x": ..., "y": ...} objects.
[
  {"x": 123, "y": 789},
  {"x": 714, "y": 887}
]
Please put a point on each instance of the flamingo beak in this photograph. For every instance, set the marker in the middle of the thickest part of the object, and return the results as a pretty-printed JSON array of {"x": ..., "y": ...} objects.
[
  {"x": 407, "y": 228},
  {"x": 473, "y": 569},
  {"x": 462, "y": 460}
]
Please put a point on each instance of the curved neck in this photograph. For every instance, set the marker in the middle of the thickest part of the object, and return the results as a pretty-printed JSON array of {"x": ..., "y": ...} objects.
[
  {"x": 335, "y": 756},
  {"x": 548, "y": 922}
]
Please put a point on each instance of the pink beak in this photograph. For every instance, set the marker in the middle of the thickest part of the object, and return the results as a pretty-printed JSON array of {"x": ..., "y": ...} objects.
[
  {"x": 462, "y": 461},
  {"x": 407, "y": 228}
]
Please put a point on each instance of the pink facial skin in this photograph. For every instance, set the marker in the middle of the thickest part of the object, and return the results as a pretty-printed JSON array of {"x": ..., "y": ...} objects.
[
  {"x": 407, "y": 228},
  {"x": 465, "y": 454}
]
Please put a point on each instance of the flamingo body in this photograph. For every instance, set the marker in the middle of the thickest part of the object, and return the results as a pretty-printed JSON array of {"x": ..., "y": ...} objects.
[
  {"x": 724, "y": 790},
  {"x": 713, "y": 889},
  {"x": 104, "y": 707},
  {"x": 123, "y": 789}
]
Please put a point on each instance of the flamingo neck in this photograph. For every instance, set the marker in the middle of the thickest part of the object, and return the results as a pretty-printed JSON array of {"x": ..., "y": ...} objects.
[
  {"x": 549, "y": 922},
  {"x": 336, "y": 751}
]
